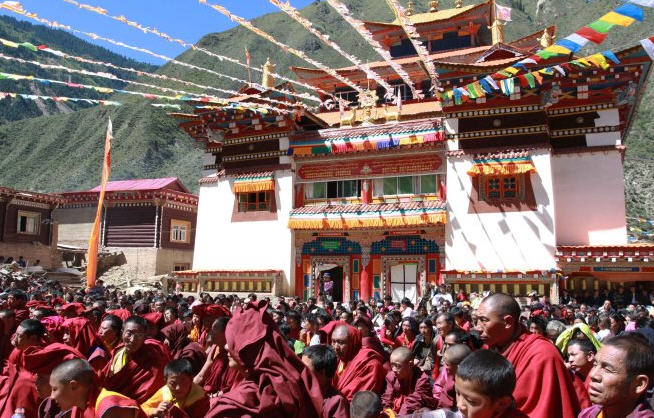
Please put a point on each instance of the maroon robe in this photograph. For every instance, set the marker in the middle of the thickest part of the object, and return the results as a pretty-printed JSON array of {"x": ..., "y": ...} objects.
[
  {"x": 17, "y": 390},
  {"x": 543, "y": 385},
  {"x": 334, "y": 405},
  {"x": 220, "y": 377},
  {"x": 181, "y": 347},
  {"x": 276, "y": 383},
  {"x": 581, "y": 390},
  {"x": 361, "y": 368},
  {"x": 443, "y": 392},
  {"x": 82, "y": 335},
  {"x": 142, "y": 376},
  {"x": 407, "y": 397},
  {"x": 642, "y": 410}
]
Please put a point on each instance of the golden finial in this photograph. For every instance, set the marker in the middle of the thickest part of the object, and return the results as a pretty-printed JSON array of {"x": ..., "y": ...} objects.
[
  {"x": 497, "y": 31},
  {"x": 433, "y": 6},
  {"x": 409, "y": 8},
  {"x": 546, "y": 39},
  {"x": 458, "y": 4},
  {"x": 267, "y": 79}
]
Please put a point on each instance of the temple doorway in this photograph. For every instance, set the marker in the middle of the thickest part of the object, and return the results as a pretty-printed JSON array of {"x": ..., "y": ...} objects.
[
  {"x": 404, "y": 281},
  {"x": 335, "y": 271}
]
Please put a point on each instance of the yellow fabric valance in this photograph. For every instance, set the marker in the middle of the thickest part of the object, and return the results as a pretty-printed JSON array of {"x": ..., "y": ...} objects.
[{"x": 501, "y": 168}]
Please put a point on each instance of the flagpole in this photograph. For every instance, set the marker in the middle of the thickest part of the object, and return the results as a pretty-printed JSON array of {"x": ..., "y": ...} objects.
[{"x": 92, "y": 265}]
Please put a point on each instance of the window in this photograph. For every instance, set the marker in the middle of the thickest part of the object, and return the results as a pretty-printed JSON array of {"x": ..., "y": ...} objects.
[
  {"x": 501, "y": 187},
  {"x": 390, "y": 186},
  {"x": 182, "y": 267},
  {"x": 28, "y": 222},
  {"x": 252, "y": 202},
  {"x": 333, "y": 189},
  {"x": 180, "y": 231}
]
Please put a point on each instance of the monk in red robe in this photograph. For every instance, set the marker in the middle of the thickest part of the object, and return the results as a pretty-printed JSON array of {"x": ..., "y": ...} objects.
[
  {"x": 581, "y": 355},
  {"x": 16, "y": 300},
  {"x": 17, "y": 392},
  {"x": 216, "y": 377},
  {"x": 359, "y": 368},
  {"x": 443, "y": 390},
  {"x": 207, "y": 313},
  {"x": 177, "y": 341},
  {"x": 29, "y": 333},
  {"x": 41, "y": 361},
  {"x": 136, "y": 367},
  {"x": 544, "y": 387},
  {"x": 110, "y": 333},
  {"x": 322, "y": 361},
  {"x": 276, "y": 383},
  {"x": 79, "y": 333},
  {"x": 408, "y": 389}
]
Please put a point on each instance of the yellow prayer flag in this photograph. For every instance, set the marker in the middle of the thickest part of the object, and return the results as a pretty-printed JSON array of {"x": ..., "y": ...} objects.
[
  {"x": 9, "y": 43},
  {"x": 558, "y": 49},
  {"x": 599, "y": 60},
  {"x": 617, "y": 19}
]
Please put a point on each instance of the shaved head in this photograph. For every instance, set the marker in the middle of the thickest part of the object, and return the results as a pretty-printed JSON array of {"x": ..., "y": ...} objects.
[
  {"x": 503, "y": 304},
  {"x": 341, "y": 331},
  {"x": 77, "y": 369},
  {"x": 402, "y": 354},
  {"x": 456, "y": 353}
]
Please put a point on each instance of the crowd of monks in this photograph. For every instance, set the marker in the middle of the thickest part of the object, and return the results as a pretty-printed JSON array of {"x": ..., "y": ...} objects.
[{"x": 105, "y": 354}]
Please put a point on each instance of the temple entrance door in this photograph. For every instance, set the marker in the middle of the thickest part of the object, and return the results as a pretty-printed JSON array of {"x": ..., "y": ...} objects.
[
  {"x": 337, "y": 276},
  {"x": 404, "y": 279}
]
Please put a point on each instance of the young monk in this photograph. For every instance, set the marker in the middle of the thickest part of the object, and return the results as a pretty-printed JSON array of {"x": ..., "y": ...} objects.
[
  {"x": 180, "y": 397},
  {"x": 408, "y": 388},
  {"x": 365, "y": 404},
  {"x": 443, "y": 390},
  {"x": 322, "y": 361},
  {"x": 484, "y": 384}
]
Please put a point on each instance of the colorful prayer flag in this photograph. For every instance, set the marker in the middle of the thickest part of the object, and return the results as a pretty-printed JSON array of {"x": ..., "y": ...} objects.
[
  {"x": 502, "y": 13},
  {"x": 629, "y": 10},
  {"x": 648, "y": 46},
  {"x": 617, "y": 19},
  {"x": 646, "y": 3},
  {"x": 610, "y": 55},
  {"x": 592, "y": 35}
]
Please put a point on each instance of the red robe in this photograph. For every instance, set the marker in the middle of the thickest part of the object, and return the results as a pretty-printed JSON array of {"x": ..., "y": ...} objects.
[
  {"x": 220, "y": 377},
  {"x": 581, "y": 390},
  {"x": 109, "y": 400},
  {"x": 543, "y": 385},
  {"x": 362, "y": 368},
  {"x": 334, "y": 405},
  {"x": 142, "y": 376},
  {"x": 443, "y": 391},
  {"x": 17, "y": 390},
  {"x": 408, "y": 397}
]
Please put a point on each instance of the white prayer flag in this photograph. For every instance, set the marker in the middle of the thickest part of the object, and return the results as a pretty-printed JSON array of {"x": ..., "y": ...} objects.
[
  {"x": 648, "y": 46},
  {"x": 504, "y": 13},
  {"x": 646, "y": 3}
]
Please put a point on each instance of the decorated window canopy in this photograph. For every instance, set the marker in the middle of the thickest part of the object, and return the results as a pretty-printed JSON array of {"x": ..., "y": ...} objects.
[
  {"x": 356, "y": 216},
  {"x": 501, "y": 166},
  {"x": 254, "y": 182}
]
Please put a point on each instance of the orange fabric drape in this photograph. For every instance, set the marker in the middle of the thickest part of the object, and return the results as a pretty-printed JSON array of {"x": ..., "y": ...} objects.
[{"x": 92, "y": 266}]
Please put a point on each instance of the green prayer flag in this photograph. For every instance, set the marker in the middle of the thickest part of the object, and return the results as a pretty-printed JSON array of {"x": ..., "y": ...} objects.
[
  {"x": 601, "y": 26},
  {"x": 28, "y": 46},
  {"x": 531, "y": 80}
]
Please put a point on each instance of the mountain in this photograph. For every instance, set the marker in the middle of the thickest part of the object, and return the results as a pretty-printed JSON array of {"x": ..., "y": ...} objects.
[{"x": 149, "y": 143}]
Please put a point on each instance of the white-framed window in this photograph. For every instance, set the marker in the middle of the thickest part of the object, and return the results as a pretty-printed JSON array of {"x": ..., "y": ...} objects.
[
  {"x": 180, "y": 231},
  {"x": 332, "y": 189},
  {"x": 405, "y": 185},
  {"x": 28, "y": 222}
]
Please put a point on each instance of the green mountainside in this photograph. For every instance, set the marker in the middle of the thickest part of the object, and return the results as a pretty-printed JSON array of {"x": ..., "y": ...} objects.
[{"x": 63, "y": 151}]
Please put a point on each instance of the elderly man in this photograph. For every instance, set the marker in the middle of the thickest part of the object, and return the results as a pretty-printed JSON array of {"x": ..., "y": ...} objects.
[
  {"x": 136, "y": 367},
  {"x": 544, "y": 386},
  {"x": 359, "y": 368},
  {"x": 408, "y": 389},
  {"x": 624, "y": 369}
]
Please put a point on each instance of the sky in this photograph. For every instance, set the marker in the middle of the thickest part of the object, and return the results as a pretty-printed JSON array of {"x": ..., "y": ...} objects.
[{"x": 183, "y": 19}]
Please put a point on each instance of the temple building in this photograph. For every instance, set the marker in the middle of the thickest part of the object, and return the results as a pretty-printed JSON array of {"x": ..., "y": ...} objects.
[
  {"x": 148, "y": 223},
  {"x": 514, "y": 192}
]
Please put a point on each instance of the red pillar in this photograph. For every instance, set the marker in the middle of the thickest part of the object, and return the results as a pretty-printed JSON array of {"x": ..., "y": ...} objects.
[
  {"x": 365, "y": 281},
  {"x": 366, "y": 192}
]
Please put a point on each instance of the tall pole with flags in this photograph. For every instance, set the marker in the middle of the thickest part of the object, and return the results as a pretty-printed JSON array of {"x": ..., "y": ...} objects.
[
  {"x": 247, "y": 61},
  {"x": 92, "y": 266}
]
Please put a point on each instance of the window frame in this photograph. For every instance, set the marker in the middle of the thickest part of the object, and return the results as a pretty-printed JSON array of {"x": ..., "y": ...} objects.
[
  {"x": 243, "y": 207},
  {"x": 502, "y": 188},
  {"x": 28, "y": 214},
  {"x": 180, "y": 226},
  {"x": 416, "y": 181}
]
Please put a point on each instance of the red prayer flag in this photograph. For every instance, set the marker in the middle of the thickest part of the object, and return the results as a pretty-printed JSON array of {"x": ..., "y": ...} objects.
[
  {"x": 592, "y": 35},
  {"x": 92, "y": 266}
]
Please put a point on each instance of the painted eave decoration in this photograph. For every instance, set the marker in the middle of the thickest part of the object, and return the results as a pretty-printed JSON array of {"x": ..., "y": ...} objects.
[
  {"x": 343, "y": 217},
  {"x": 254, "y": 182},
  {"x": 502, "y": 166}
]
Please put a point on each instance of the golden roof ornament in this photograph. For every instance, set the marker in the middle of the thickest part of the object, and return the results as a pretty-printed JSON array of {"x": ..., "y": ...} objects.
[
  {"x": 546, "y": 39},
  {"x": 458, "y": 4},
  {"x": 267, "y": 78},
  {"x": 497, "y": 32},
  {"x": 368, "y": 105},
  {"x": 409, "y": 8},
  {"x": 433, "y": 6}
]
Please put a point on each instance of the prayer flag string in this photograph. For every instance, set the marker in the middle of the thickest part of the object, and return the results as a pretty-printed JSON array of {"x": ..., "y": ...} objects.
[
  {"x": 288, "y": 49},
  {"x": 10, "y": 95},
  {"x": 361, "y": 29},
  {"x": 306, "y": 24},
  {"x": 414, "y": 37},
  {"x": 94, "y": 36},
  {"x": 163, "y": 35}
]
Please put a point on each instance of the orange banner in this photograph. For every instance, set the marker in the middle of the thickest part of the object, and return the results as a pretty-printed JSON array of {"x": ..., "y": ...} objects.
[{"x": 92, "y": 266}]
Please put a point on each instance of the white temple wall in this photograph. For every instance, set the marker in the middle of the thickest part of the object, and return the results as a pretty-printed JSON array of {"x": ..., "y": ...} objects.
[
  {"x": 499, "y": 241},
  {"x": 589, "y": 196},
  {"x": 221, "y": 244}
]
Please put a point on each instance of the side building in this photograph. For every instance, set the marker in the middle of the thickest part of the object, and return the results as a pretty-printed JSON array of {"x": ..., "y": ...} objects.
[
  {"x": 27, "y": 228},
  {"x": 151, "y": 221}
]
